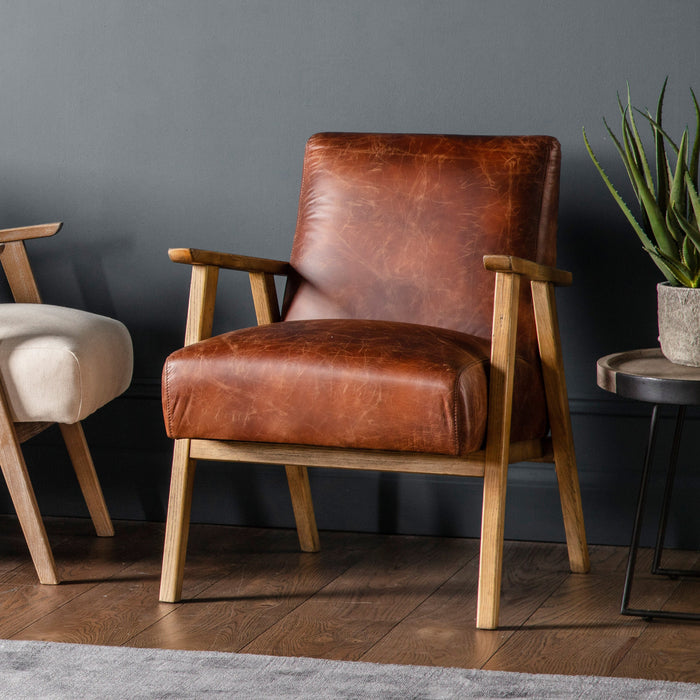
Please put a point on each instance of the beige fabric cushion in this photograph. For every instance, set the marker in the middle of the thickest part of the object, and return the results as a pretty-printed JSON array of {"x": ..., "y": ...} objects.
[{"x": 59, "y": 364}]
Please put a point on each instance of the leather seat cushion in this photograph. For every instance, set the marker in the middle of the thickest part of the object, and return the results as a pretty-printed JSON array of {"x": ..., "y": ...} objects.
[
  {"x": 59, "y": 364},
  {"x": 345, "y": 383}
]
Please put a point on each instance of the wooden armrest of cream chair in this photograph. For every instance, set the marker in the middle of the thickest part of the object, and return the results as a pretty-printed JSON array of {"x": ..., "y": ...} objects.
[
  {"x": 418, "y": 333},
  {"x": 57, "y": 365}
]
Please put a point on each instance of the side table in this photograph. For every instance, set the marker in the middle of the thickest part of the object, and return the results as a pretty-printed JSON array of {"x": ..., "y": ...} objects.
[{"x": 646, "y": 375}]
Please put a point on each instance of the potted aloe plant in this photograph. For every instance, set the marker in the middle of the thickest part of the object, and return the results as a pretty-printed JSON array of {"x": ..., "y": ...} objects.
[{"x": 669, "y": 222}]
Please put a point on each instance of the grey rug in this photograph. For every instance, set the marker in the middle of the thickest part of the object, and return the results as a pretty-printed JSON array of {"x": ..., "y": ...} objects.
[{"x": 49, "y": 670}]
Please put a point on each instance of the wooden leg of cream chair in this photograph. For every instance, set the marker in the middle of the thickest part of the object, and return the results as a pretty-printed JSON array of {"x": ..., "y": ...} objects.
[
  {"x": 300, "y": 491},
  {"x": 16, "y": 476},
  {"x": 178, "y": 523},
  {"x": 79, "y": 453},
  {"x": 560, "y": 421}
]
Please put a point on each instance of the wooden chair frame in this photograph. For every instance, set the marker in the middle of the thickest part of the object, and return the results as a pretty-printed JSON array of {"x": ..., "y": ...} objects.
[
  {"x": 491, "y": 463},
  {"x": 15, "y": 263}
]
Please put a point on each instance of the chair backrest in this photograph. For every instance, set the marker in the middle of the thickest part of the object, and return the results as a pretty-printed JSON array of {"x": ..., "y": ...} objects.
[{"x": 395, "y": 226}]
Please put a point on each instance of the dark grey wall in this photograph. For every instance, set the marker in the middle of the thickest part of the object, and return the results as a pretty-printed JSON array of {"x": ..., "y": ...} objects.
[{"x": 146, "y": 125}]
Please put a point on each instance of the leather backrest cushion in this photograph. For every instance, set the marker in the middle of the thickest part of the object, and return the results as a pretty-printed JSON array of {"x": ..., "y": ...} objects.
[{"x": 395, "y": 226}]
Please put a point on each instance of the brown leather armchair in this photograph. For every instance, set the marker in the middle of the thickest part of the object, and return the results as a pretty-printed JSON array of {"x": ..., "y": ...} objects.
[{"x": 418, "y": 333}]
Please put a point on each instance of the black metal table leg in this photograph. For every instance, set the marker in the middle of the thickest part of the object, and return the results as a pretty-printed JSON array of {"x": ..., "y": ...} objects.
[
  {"x": 663, "y": 520},
  {"x": 656, "y": 567}
]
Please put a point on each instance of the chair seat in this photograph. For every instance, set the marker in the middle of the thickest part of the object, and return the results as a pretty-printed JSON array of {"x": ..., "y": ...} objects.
[
  {"x": 60, "y": 364},
  {"x": 344, "y": 383}
]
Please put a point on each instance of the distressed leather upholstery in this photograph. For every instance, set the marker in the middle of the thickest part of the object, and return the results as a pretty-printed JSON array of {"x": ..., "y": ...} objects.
[{"x": 385, "y": 337}]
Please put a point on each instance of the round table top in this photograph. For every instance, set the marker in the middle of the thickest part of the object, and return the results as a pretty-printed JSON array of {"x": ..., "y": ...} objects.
[{"x": 646, "y": 375}]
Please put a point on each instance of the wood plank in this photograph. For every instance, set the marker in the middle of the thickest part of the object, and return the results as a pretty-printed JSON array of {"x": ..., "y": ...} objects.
[
  {"x": 259, "y": 589},
  {"x": 578, "y": 629},
  {"x": 351, "y": 614},
  {"x": 669, "y": 650},
  {"x": 111, "y": 609},
  {"x": 441, "y": 631},
  {"x": 398, "y": 600},
  {"x": 86, "y": 560}
]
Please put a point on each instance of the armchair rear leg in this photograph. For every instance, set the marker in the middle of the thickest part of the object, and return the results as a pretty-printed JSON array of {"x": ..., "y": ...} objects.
[
  {"x": 300, "y": 491},
  {"x": 560, "y": 421},
  {"x": 178, "y": 523},
  {"x": 79, "y": 453}
]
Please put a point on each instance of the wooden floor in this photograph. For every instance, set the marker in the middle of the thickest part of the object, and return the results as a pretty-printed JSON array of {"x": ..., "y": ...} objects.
[{"x": 390, "y": 599}]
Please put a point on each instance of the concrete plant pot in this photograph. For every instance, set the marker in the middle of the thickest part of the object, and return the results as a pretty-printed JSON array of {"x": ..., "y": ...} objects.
[{"x": 679, "y": 324}]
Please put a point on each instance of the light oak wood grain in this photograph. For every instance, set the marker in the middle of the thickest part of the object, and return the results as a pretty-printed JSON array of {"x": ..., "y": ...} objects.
[
  {"x": 501, "y": 373},
  {"x": 252, "y": 588},
  {"x": 548, "y": 338}
]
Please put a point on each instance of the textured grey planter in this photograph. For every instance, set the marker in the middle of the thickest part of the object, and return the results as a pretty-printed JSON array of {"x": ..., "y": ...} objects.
[{"x": 679, "y": 324}]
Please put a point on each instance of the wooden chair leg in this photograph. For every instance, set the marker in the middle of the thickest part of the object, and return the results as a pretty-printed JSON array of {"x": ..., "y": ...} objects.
[
  {"x": 300, "y": 491},
  {"x": 560, "y": 421},
  {"x": 178, "y": 523},
  {"x": 491, "y": 552},
  {"x": 19, "y": 485},
  {"x": 79, "y": 453},
  {"x": 505, "y": 324}
]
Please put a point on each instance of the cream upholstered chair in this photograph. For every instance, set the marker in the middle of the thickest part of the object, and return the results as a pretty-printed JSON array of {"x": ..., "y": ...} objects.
[
  {"x": 418, "y": 333},
  {"x": 57, "y": 365}
]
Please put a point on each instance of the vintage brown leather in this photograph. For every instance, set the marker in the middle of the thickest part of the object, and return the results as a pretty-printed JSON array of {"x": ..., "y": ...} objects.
[
  {"x": 387, "y": 317},
  {"x": 343, "y": 383}
]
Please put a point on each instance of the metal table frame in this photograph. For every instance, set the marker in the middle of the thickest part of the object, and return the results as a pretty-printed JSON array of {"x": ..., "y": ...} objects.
[{"x": 659, "y": 387}]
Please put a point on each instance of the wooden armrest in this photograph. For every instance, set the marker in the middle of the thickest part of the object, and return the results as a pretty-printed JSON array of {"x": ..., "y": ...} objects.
[
  {"x": 193, "y": 256},
  {"x": 26, "y": 232},
  {"x": 532, "y": 270}
]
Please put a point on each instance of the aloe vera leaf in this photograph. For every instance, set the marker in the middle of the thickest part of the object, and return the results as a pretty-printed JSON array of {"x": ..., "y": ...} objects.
[
  {"x": 679, "y": 275},
  {"x": 673, "y": 225},
  {"x": 624, "y": 157},
  {"x": 657, "y": 127},
  {"x": 657, "y": 220},
  {"x": 678, "y": 195},
  {"x": 690, "y": 229},
  {"x": 691, "y": 258},
  {"x": 660, "y": 102},
  {"x": 646, "y": 241},
  {"x": 688, "y": 249},
  {"x": 694, "y": 198},
  {"x": 641, "y": 153},
  {"x": 634, "y": 158},
  {"x": 661, "y": 160},
  {"x": 695, "y": 155}
]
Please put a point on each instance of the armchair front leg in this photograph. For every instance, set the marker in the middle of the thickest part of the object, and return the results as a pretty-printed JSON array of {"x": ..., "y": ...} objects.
[{"x": 501, "y": 373}]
